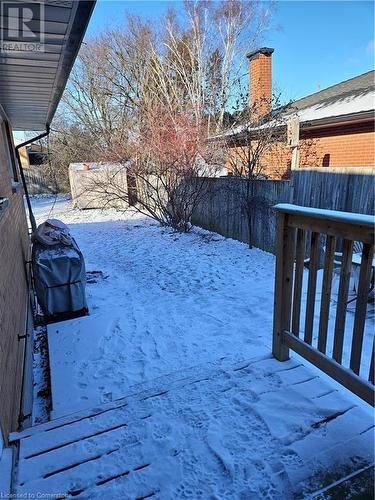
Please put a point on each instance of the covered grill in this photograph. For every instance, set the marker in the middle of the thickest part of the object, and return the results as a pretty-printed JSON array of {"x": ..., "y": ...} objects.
[{"x": 59, "y": 272}]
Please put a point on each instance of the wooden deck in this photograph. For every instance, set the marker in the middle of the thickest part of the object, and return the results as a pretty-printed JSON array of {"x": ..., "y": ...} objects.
[{"x": 295, "y": 436}]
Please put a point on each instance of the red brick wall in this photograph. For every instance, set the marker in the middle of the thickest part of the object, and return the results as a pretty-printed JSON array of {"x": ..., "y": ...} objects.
[
  {"x": 345, "y": 146},
  {"x": 14, "y": 247}
]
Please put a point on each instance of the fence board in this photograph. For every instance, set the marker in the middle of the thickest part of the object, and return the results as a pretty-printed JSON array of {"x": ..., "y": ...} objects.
[
  {"x": 326, "y": 292},
  {"x": 342, "y": 301},
  {"x": 37, "y": 182},
  {"x": 321, "y": 188},
  {"x": 360, "y": 311},
  {"x": 222, "y": 210},
  {"x": 311, "y": 288}
]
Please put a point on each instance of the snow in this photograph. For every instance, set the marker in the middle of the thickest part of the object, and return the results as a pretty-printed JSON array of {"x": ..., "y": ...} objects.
[
  {"x": 177, "y": 393},
  {"x": 41, "y": 392},
  {"x": 6, "y": 463},
  {"x": 163, "y": 302},
  {"x": 260, "y": 429},
  {"x": 339, "y": 108},
  {"x": 97, "y": 166},
  {"x": 170, "y": 301},
  {"x": 347, "y": 217},
  {"x": 357, "y": 259},
  {"x": 342, "y": 106}
]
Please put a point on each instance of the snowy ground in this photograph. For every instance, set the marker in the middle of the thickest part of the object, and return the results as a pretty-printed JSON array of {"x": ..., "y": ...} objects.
[
  {"x": 173, "y": 376},
  {"x": 165, "y": 302}
]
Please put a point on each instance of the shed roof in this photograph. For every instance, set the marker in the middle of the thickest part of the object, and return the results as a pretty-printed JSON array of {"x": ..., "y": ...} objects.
[{"x": 32, "y": 82}]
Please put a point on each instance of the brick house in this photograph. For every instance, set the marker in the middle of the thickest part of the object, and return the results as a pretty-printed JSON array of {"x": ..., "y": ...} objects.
[
  {"x": 334, "y": 127},
  {"x": 31, "y": 85}
]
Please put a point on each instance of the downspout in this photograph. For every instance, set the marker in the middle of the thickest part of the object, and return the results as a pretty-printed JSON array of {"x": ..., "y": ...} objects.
[
  {"x": 27, "y": 377},
  {"x": 19, "y": 146}
]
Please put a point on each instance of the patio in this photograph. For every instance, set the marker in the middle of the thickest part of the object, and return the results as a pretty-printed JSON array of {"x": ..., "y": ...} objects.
[
  {"x": 223, "y": 430},
  {"x": 168, "y": 389}
]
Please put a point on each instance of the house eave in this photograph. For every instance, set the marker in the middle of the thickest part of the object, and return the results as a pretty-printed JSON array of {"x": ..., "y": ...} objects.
[
  {"x": 326, "y": 122},
  {"x": 32, "y": 82},
  {"x": 78, "y": 29},
  {"x": 351, "y": 118}
]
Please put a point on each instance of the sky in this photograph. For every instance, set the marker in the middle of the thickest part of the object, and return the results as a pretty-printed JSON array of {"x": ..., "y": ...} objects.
[{"x": 317, "y": 43}]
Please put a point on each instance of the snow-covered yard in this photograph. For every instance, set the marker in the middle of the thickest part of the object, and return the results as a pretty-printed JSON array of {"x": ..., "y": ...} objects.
[
  {"x": 168, "y": 389},
  {"x": 166, "y": 301},
  {"x": 163, "y": 302}
]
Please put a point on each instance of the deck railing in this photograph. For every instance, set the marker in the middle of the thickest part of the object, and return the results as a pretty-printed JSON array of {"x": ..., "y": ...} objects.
[{"x": 323, "y": 229}]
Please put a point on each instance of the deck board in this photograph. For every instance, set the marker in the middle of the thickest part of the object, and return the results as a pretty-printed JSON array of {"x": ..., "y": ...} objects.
[{"x": 174, "y": 437}]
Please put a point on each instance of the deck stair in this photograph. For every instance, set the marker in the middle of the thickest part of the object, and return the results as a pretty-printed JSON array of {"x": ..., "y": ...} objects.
[{"x": 254, "y": 429}]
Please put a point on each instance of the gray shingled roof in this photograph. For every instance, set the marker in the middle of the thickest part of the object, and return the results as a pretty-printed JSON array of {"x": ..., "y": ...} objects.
[
  {"x": 351, "y": 98},
  {"x": 353, "y": 87}
]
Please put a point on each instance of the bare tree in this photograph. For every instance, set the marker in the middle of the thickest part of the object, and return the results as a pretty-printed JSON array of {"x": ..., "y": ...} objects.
[
  {"x": 250, "y": 145},
  {"x": 193, "y": 62},
  {"x": 239, "y": 26},
  {"x": 147, "y": 98},
  {"x": 255, "y": 147},
  {"x": 169, "y": 163}
]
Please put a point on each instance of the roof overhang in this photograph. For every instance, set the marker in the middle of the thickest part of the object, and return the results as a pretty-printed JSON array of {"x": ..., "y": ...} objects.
[
  {"x": 32, "y": 82},
  {"x": 350, "y": 118},
  {"x": 327, "y": 122}
]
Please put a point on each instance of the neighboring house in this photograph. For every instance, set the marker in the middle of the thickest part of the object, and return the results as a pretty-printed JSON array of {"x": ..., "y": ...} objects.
[
  {"x": 330, "y": 128},
  {"x": 23, "y": 154},
  {"x": 31, "y": 85}
]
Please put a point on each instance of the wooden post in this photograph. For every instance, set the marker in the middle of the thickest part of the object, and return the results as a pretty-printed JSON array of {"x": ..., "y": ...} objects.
[
  {"x": 311, "y": 287},
  {"x": 326, "y": 292},
  {"x": 283, "y": 285},
  {"x": 298, "y": 279},
  {"x": 342, "y": 300},
  {"x": 361, "y": 307}
]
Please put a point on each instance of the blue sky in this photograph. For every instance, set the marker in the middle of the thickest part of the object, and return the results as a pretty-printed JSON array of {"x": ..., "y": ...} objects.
[{"x": 318, "y": 44}]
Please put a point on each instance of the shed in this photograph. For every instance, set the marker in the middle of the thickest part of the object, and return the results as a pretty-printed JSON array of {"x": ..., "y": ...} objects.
[{"x": 99, "y": 185}]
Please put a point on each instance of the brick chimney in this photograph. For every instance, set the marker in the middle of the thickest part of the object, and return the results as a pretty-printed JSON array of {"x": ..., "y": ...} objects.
[{"x": 260, "y": 69}]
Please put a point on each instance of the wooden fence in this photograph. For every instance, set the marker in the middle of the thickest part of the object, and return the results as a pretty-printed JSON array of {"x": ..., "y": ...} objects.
[
  {"x": 335, "y": 189},
  {"x": 221, "y": 210},
  {"x": 37, "y": 182},
  {"x": 293, "y": 223}
]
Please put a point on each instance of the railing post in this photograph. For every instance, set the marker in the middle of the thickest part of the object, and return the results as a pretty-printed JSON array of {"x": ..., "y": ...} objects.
[{"x": 283, "y": 285}]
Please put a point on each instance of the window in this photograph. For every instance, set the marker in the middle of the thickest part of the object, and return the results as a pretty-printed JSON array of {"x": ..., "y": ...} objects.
[{"x": 326, "y": 160}]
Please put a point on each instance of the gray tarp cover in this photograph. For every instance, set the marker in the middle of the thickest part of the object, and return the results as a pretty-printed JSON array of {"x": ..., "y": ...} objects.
[{"x": 60, "y": 278}]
